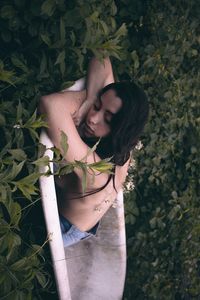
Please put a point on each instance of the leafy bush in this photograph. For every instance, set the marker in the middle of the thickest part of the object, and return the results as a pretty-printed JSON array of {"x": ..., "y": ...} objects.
[
  {"x": 45, "y": 46},
  {"x": 163, "y": 223}
]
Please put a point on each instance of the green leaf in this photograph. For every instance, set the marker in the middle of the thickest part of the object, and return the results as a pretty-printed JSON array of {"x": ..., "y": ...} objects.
[
  {"x": 41, "y": 149},
  {"x": 63, "y": 143},
  {"x": 27, "y": 185},
  {"x": 20, "y": 264},
  {"x": 46, "y": 39},
  {"x": 61, "y": 58},
  {"x": 31, "y": 120},
  {"x": 19, "y": 63},
  {"x": 67, "y": 169},
  {"x": 15, "y": 213},
  {"x": 48, "y": 7},
  {"x": 16, "y": 169},
  {"x": 7, "y": 12},
  {"x": 43, "y": 161},
  {"x": 84, "y": 179},
  {"x": 122, "y": 31},
  {"x": 113, "y": 9},
  {"x": 135, "y": 58},
  {"x": 18, "y": 154},
  {"x": 12, "y": 240},
  {"x": 19, "y": 111},
  {"x": 105, "y": 27},
  {"x": 102, "y": 166},
  {"x": 27, "y": 189},
  {"x": 3, "y": 192},
  {"x": 57, "y": 153},
  {"x": 11, "y": 172},
  {"x": 73, "y": 38},
  {"x": 41, "y": 279},
  {"x": 7, "y": 76}
]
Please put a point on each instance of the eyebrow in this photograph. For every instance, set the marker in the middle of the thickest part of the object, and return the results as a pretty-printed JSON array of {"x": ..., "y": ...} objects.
[{"x": 108, "y": 111}]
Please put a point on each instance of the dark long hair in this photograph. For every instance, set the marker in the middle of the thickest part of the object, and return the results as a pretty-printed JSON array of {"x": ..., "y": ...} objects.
[{"x": 126, "y": 125}]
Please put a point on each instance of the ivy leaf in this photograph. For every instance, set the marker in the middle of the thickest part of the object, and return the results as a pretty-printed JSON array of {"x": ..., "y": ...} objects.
[
  {"x": 11, "y": 172},
  {"x": 27, "y": 185}
]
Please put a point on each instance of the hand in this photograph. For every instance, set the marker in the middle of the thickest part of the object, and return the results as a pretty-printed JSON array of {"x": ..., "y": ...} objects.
[{"x": 79, "y": 115}]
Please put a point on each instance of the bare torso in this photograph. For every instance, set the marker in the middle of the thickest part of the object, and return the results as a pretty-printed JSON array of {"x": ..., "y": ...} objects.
[{"x": 85, "y": 212}]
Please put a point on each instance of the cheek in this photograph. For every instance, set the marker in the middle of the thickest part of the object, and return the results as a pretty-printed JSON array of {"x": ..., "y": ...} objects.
[{"x": 105, "y": 129}]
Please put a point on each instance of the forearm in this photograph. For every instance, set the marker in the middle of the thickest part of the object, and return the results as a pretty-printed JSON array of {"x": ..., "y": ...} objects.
[{"x": 99, "y": 74}]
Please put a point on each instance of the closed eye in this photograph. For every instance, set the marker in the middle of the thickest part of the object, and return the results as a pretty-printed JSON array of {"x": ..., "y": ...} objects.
[{"x": 96, "y": 107}]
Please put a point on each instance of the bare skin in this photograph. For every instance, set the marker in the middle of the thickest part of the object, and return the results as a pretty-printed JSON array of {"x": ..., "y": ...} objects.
[{"x": 60, "y": 108}]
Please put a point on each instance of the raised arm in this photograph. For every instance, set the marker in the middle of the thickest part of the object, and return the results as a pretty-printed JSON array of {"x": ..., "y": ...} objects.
[
  {"x": 58, "y": 114},
  {"x": 99, "y": 74},
  {"x": 59, "y": 108}
]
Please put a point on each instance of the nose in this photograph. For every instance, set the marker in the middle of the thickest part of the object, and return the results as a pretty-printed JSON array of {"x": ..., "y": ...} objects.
[{"x": 94, "y": 118}]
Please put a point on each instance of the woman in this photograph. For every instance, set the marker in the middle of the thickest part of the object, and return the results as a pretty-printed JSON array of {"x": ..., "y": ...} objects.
[{"x": 114, "y": 112}]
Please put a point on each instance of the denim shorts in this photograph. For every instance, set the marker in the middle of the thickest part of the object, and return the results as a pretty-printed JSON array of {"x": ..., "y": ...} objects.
[{"x": 71, "y": 234}]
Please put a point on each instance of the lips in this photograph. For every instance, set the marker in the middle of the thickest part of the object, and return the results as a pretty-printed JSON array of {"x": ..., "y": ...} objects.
[{"x": 88, "y": 130}]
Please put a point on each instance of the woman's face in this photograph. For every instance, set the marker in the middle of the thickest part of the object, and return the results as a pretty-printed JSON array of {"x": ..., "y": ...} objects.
[{"x": 98, "y": 120}]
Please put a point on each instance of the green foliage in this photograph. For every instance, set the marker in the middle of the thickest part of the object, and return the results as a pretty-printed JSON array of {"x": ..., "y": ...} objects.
[
  {"x": 163, "y": 232},
  {"x": 45, "y": 46}
]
